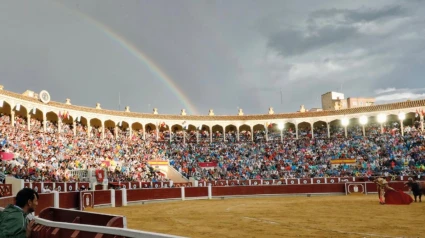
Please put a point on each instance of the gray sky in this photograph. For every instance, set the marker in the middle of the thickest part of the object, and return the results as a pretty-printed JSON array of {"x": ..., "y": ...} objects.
[{"x": 221, "y": 54}]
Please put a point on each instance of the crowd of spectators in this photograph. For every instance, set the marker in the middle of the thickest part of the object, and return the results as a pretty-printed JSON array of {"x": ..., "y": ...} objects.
[{"x": 51, "y": 156}]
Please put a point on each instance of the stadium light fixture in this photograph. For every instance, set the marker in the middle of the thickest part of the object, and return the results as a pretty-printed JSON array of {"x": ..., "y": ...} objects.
[
  {"x": 18, "y": 107},
  {"x": 363, "y": 120},
  {"x": 281, "y": 126},
  {"x": 345, "y": 121},
  {"x": 401, "y": 116},
  {"x": 382, "y": 118}
]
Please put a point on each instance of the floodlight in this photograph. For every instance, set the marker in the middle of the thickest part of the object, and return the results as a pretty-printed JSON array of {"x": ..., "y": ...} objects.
[
  {"x": 401, "y": 116},
  {"x": 344, "y": 121},
  {"x": 382, "y": 118},
  {"x": 281, "y": 126},
  {"x": 363, "y": 120}
]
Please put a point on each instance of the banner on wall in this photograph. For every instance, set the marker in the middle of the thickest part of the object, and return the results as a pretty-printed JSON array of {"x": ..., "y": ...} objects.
[
  {"x": 6, "y": 156},
  {"x": 207, "y": 164}
]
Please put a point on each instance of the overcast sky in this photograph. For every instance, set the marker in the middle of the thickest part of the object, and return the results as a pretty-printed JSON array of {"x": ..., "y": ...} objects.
[{"x": 222, "y": 55}]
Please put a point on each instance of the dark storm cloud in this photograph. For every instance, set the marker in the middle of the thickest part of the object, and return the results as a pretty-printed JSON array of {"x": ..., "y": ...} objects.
[
  {"x": 329, "y": 26},
  {"x": 293, "y": 42},
  {"x": 362, "y": 14}
]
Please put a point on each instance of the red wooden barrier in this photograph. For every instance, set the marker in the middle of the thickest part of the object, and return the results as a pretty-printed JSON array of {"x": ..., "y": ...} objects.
[
  {"x": 5, "y": 190},
  {"x": 4, "y": 201},
  {"x": 37, "y": 187},
  {"x": 71, "y": 187},
  {"x": 268, "y": 181},
  {"x": 85, "y": 184},
  {"x": 156, "y": 184},
  {"x": 152, "y": 194},
  {"x": 70, "y": 216},
  {"x": 45, "y": 200},
  {"x": 118, "y": 198},
  {"x": 165, "y": 184},
  {"x": 69, "y": 200},
  {"x": 279, "y": 182},
  {"x": 135, "y": 185},
  {"x": 86, "y": 199},
  {"x": 103, "y": 197},
  {"x": 319, "y": 180},
  {"x": 256, "y": 182},
  {"x": 60, "y": 187},
  {"x": 178, "y": 185},
  {"x": 196, "y": 192},
  {"x": 48, "y": 185},
  {"x": 253, "y": 190},
  {"x": 146, "y": 185}
]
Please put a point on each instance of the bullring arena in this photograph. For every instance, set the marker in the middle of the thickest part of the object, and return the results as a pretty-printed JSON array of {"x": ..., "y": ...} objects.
[{"x": 329, "y": 197}]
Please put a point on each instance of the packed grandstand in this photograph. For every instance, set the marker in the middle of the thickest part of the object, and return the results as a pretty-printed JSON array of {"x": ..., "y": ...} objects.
[{"x": 49, "y": 140}]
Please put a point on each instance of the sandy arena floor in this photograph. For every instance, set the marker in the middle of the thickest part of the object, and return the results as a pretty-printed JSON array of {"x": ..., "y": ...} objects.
[{"x": 321, "y": 216}]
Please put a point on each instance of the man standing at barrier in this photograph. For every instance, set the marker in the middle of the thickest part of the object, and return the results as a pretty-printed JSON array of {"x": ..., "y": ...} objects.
[{"x": 15, "y": 219}]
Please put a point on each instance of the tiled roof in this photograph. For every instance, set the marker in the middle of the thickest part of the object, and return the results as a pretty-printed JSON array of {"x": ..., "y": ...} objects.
[{"x": 358, "y": 110}]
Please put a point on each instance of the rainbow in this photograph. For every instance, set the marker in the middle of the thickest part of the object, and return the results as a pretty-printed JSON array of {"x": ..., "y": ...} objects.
[{"x": 142, "y": 57}]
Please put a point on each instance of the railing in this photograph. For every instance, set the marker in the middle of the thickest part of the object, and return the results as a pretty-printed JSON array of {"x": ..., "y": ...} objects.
[
  {"x": 41, "y": 230},
  {"x": 81, "y": 173}
]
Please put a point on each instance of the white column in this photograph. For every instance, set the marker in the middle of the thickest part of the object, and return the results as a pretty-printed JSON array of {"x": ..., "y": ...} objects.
[
  {"x": 364, "y": 132},
  {"x": 116, "y": 132},
  {"x": 44, "y": 122},
  {"x": 211, "y": 134},
  {"x": 402, "y": 127},
  {"x": 169, "y": 131},
  {"x": 184, "y": 136},
  {"x": 267, "y": 134},
  {"x": 183, "y": 194},
  {"x": 422, "y": 122},
  {"x": 124, "y": 197},
  {"x": 12, "y": 117},
  {"x": 88, "y": 128},
  {"x": 103, "y": 130},
  {"x": 197, "y": 136},
  {"x": 112, "y": 197},
  {"x": 329, "y": 129},
  {"x": 345, "y": 131},
  {"x": 157, "y": 133},
  {"x": 74, "y": 128},
  {"x": 209, "y": 191},
  {"x": 55, "y": 199},
  {"x": 29, "y": 121},
  {"x": 224, "y": 134},
  {"x": 281, "y": 136},
  {"x": 237, "y": 134},
  {"x": 296, "y": 130},
  {"x": 59, "y": 125},
  {"x": 312, "y": 131}
]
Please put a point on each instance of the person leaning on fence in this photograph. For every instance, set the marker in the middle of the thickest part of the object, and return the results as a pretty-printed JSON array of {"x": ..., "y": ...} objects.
[{"x": 15, "y": 219}]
